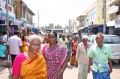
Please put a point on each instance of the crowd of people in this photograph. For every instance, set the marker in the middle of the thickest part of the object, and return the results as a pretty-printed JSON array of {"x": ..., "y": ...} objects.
[{"x": 33, "y": 59}]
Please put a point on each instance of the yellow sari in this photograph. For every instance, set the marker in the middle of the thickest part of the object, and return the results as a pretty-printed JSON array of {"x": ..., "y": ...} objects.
[
  {"x": 34, "y": 68},
  {"x": 24, "y": 46},
  {"x": 74, "y": 48}
]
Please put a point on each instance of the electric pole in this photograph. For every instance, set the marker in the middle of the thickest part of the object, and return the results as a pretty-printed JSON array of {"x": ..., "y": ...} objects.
[
  {"x": 38, "y": 20},
  {"x": 7, "y": 20},
  {"x": 104, "y": 15},
  {"x": 69, "y": 26}
]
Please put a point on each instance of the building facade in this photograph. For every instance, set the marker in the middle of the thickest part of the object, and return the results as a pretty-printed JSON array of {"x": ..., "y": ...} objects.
[
  {"x": 22, "y": 11},
  {"x": 3, "y": 15},
  {"x": 93, "y": 16},
  {"x": 3, "y": 8},
  {"x": 114, "y": 16},
  {"x": 24, "y": 14}
]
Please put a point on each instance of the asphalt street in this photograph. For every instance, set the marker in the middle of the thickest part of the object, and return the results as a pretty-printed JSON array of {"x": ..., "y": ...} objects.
[{"x": 70, "y": 72}]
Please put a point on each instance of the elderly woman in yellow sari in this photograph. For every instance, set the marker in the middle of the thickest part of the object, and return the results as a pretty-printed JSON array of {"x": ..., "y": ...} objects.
[
  {"x": 30, "y": 65},
  {"x": 74, "y": 45}
]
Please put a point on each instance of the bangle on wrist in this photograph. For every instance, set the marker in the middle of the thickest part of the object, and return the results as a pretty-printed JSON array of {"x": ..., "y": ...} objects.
[{"x": 61, "y": 70}]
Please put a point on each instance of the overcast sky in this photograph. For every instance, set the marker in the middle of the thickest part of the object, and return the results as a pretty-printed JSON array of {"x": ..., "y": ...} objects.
[{"x": 57, "y": 11}]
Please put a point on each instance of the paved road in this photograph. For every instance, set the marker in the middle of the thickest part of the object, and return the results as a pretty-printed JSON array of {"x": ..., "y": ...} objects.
[{"x": 70, "y": 72}]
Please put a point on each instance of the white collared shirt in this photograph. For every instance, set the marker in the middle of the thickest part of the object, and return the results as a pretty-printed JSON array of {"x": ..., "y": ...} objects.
[
  {"x": 4, "y": 39},
  {"x": 81, "y": 53},
  {"x": 14, "y": 43},
  {"x": 63, "y": 43}
]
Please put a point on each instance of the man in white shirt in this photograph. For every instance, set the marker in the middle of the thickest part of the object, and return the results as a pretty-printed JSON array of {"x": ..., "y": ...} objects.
[
  {"x": 4, "y": 39},
  {"x": 1, "y": 37},
  {"x": 82, "y": 57},
  {"x": 14, "y": 45},
  {"x": 63, "y": 41}
]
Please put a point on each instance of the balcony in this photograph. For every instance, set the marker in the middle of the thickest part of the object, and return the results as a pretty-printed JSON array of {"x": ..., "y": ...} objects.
[
  {"x": 81, "y": 17},
  {"x": 113, "y": 2}
]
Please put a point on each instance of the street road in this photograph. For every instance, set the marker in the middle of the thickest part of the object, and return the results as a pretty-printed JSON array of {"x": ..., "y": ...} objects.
[{"x": 70, "y": 72}]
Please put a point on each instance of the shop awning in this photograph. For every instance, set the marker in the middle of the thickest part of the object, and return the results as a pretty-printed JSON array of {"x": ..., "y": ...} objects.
[{"x": 113, "y": 2}]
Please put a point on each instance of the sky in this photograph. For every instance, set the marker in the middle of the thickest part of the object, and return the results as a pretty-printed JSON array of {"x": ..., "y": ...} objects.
[{"x": 57, "y": 11}]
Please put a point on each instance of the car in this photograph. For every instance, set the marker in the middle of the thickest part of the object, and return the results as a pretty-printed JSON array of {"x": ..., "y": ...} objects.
[
  {"x": 111, "y": 40},
  {"x": 74, "y": 33}
]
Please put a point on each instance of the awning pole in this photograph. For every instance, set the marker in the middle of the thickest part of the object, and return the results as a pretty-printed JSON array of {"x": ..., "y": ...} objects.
[{"x": 7, "y": 21}]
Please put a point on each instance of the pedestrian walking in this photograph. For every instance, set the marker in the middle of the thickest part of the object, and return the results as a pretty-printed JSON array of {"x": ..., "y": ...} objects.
[
  {"x": 31, "y": 64},
  {"x": 69, "y": 48},
  {"x": 3, "y": 46},
  {"x": 63, "y": 41},
  {"x": 79, "y": 36},
  {"x": 24, "y": 46},
  {"x": 14, "y": 45},
  {"x": 56, "y": 57},
  {"x": 74, "y": 45},
  {"x": 100, "y": 59},
  {"x": 45, "y": 43},
  {"x": 82, "y": 57}
]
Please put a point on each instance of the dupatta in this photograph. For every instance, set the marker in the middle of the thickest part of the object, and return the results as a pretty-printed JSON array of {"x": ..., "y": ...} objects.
[{"x": 34, "y": 68}]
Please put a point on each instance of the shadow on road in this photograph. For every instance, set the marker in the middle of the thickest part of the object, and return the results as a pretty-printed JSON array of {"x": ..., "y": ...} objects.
[
  {"x": 114, "y": 63},
  {"x": 71, "y": 67}
]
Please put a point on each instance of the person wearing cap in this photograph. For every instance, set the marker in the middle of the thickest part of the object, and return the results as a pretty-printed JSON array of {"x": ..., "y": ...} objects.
[
  {"x": 82, "y": 57},
  {"x": 63, "y": 41}
]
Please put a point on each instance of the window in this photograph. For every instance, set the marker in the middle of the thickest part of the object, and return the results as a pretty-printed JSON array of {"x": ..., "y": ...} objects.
[
  {"x": 111, "y": 40},
  {"x": 92, "y": 14},
  {"x": 10, "y": 2},
  {"x": 4, "y": 0}
]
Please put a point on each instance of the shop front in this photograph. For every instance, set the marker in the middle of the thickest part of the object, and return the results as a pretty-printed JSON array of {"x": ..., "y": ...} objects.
[
  {"x": 117, "y": 27},
  {"x": 111, "y": 26},
  {"x": 3, "y": 16}
]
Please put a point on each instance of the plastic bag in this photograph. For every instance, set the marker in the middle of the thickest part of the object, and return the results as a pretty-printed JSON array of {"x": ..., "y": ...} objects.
[{"x": 2, "y": 50}]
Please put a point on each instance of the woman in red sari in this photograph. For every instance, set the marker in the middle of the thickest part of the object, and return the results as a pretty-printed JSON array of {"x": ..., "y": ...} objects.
[
  {"x": 56, "y": 57},
  {"x": 74, "y": 45}
]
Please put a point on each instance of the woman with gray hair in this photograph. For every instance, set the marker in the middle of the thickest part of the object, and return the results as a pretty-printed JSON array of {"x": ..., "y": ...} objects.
[
  {"x": 82, "y": 58},
  {"x": 30, "y": 64}
]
